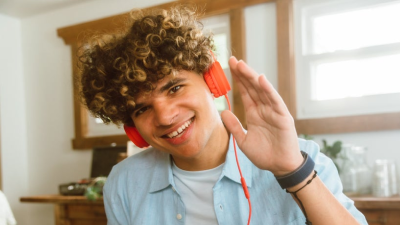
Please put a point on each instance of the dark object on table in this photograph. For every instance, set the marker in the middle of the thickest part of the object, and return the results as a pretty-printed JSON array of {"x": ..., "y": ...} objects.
[
  {"x": 104, "y": 158},
  {"x": 73, "y": 188}
]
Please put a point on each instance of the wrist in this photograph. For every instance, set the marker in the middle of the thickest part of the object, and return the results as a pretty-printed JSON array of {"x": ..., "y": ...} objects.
[
  {"x": 301, "y": 184},
  {"x": 290, "y": 166},
  {"x": 299, "y": 175}
]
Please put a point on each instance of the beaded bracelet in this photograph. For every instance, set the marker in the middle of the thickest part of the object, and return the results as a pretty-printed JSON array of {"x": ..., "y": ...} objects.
[
  {"x": 298, "y": 176},
  {"x": 308, "y": 222}
]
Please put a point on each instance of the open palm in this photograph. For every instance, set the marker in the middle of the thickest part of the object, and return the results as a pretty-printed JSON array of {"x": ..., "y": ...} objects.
[{"x": 271, "y": 139}]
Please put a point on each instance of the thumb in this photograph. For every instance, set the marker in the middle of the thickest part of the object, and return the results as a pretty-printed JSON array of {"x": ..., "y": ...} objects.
[{"x": 233, "y": 125}]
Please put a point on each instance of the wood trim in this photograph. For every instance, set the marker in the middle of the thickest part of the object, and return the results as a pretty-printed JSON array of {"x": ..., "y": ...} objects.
[
  {"x": 75, "y": 33},
  {"x": 59, "y": 212},
  {"x": 60, "y": 199},
  {"x": 369, "y": 202},
  {"x": 346, "y": 124},
  {"x": 215, "y": 7},
  {"x": 285, "y": 46},
  {"x": 90, "y": 142},
  {"x": 80, "y": 113},
  {"x": 238, "y": 47}
]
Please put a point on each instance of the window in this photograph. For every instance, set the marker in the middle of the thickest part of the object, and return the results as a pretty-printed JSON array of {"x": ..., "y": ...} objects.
[
  {"x": 98, "y": 128},
  {"x": 347, "y": 54}
]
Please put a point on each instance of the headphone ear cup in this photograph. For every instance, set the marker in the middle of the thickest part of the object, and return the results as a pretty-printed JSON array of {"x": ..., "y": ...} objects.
[
  {"x": 216, "y": 80},
  {"x": 135, "y": 137}
]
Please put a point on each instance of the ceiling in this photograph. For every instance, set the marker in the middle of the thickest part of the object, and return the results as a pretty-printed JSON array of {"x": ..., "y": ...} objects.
[{"x": 27, "y": 8}]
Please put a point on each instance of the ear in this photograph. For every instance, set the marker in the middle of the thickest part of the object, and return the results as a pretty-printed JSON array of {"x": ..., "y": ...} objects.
[{"x": 134, "y": 135}]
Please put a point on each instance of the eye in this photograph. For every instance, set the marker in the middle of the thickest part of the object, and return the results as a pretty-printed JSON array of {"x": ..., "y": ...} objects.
[
  {"x": 141, "y": 111},
  {"x": 175, "y": 89}
]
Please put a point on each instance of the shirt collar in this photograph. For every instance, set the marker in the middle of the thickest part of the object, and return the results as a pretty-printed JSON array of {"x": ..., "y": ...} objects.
[
  {"x": 163, "y": 177},
  {"x": 162, "y": 172}
]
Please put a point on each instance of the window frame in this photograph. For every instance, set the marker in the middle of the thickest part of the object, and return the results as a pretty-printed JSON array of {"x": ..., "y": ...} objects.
[{"x": 341, "y": 124}]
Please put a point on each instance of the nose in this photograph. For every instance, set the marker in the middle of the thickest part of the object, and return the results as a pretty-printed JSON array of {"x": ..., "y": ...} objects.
[{"x": 165, "y": 112}]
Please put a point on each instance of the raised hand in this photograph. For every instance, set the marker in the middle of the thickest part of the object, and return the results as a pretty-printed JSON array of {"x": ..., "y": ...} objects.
[{"x": 271, "y": 139}]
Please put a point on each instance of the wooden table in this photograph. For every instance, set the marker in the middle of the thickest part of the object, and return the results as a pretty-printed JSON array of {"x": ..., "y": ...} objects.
[
  {"x": 379, "y": 211},
  {"x": 73, "y": 210},
  {"x": 77, "y": 210}
]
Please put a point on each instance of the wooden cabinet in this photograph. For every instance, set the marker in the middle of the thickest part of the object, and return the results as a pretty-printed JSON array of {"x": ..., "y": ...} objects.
[
  {"x": 379, "y": 211},
  {"x": 73, "y": 210}
]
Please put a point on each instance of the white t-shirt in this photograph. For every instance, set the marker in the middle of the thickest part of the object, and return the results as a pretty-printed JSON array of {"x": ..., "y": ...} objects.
[{"x": 196, "y": 191}]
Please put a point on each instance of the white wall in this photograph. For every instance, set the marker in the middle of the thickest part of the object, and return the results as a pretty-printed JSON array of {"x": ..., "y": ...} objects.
[
  {"x": 14, "y": 160},
  {"x": 380, "y": 145},
  {"x": 261, "y": 49},
  {"x": 37, "y": 107}
]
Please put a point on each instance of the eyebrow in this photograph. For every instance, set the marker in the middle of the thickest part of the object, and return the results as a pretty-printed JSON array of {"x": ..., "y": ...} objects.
[
  {"x": 166, "y": 87},
  {"x": 171, "y": 83}
]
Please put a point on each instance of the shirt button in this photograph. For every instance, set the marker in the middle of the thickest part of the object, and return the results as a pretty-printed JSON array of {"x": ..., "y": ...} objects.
[
  {"x": 220, "y": 206},
  {"x": 173, "y": 189},
  {"x": 179, "y": 216}
]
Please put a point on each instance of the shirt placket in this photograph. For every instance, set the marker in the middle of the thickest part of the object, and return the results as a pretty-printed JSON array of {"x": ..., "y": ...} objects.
[
  {"x": 218, "y": 203},
  {"x": 180, "y": 210}
]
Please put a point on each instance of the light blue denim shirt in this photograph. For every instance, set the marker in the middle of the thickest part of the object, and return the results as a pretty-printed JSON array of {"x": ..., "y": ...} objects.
[{"x": 141, "y": 190}]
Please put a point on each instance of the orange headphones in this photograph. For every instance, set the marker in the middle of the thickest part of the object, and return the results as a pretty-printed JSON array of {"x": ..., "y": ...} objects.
[{"x": 217, "y": 82}]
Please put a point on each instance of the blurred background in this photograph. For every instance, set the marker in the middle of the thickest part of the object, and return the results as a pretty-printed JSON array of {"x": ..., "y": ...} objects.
[{"x": 345, "y": 53}]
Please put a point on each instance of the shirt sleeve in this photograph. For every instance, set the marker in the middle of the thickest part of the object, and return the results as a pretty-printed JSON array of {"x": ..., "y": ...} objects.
[
  {"x": 329, "y": 175},
  {"x": 114, "y": 208}
]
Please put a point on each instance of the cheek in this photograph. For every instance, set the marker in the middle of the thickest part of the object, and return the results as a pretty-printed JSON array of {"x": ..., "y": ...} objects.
[
  {"x": 203, "y": 102},
  {"x": 143, "y": 127}
]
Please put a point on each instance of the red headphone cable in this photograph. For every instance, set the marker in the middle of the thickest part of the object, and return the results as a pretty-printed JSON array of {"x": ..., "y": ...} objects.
[{"x": 242, "y": 180}]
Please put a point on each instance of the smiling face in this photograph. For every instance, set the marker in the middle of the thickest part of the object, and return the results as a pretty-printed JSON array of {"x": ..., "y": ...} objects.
[{"x": 180, "y": 118}]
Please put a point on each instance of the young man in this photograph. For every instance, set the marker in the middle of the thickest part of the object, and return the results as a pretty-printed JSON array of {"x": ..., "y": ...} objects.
[{"x": 151, "y": 78}]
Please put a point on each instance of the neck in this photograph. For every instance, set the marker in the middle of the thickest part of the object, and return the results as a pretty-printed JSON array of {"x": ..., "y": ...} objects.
[{"x": 213, "y": 154}]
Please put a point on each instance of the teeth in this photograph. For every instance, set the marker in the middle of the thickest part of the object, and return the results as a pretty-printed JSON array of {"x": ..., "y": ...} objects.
[{"x": 180, "y": 129}]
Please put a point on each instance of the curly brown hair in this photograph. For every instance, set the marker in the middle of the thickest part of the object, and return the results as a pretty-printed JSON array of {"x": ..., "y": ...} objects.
[{"x": 115, "y": 68}]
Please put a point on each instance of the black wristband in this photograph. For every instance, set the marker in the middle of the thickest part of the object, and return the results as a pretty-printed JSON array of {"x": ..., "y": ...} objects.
[{"x": 297, "y": 176}]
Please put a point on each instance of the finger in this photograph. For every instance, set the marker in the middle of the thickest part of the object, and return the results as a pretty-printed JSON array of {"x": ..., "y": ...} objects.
[
  {"x": 246, "y": 74},
  {"x": 263, "y": 96},
  {"x": 275, "y": 99},
  {"x": 247, "y": 78},
  {"x": 233, "y": 125},
  {"x": 244, "y": 94}
]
